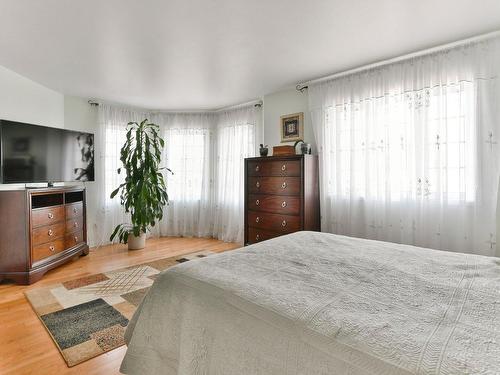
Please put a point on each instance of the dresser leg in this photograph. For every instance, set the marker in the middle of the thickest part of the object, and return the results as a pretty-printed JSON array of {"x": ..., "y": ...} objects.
[
  {"x": 36, "y": 276},
  {"x": 85, "y": 251}
]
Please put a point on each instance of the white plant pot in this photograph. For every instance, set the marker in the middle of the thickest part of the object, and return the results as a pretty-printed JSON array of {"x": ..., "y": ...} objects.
[{"x": 136, "y": 243}]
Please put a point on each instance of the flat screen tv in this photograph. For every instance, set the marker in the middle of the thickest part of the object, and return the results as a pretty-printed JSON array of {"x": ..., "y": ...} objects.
[{"x": 32, "y": 153}]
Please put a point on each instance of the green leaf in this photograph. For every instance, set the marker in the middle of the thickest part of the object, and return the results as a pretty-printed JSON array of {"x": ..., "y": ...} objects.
[
  {"x": 115, "y": 232},
  {"x": 143, "y": 193},
  {"x": 113, "y": 194}
]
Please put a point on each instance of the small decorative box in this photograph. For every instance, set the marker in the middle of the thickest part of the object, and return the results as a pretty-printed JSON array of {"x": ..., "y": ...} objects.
[{"x": 283, "y": 150}]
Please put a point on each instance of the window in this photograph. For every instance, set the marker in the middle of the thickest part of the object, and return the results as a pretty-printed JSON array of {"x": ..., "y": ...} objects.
[
  {"x": 114, "y": 139},
  {"x": 235, "y": 143},
  {"x": 415, "y": 145},
  {"x": 188, "y": 150}
]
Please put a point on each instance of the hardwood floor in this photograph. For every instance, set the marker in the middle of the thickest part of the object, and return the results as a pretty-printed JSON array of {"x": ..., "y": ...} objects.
[{"x": 25, "y": 345}]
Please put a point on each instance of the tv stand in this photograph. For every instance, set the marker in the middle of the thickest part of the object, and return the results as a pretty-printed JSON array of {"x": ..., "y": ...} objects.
[{"x": 40, "y": 228}]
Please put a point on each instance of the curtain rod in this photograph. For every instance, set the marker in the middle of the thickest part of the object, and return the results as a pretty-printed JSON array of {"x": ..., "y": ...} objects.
[
  {"x": 255, "y": 103},
  {"x": 302, "y": 86}
]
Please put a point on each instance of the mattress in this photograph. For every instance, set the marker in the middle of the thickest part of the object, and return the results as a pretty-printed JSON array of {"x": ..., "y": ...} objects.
[{"x": 315, "y": 303}]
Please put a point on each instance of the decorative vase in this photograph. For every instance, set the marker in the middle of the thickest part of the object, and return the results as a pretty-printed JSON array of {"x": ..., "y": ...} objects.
[
  {"x": 263, "y": 150},
  {"x": 305, "y": 148},
  {"x": 136, "y": 243}
]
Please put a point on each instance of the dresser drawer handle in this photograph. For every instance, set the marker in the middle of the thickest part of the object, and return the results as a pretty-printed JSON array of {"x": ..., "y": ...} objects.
[
  {"x": 283, "y": 167},
  {"x": 76, "y": 239},
  {"x": 50, "y": 215},
  {"x": 52, "y": 248},
  {"x": 283, "y": 204},
  {"x": 50, "y": 232},
  {"x": 75, "y": 224},
  {"x": 257, "y": 219},
  {"x": 283, "y": 223},
  {"x": 257, "y": 202},
  {"x": 257, "y": 237},
  {"x": 257, "y": 168},
  {"x": 257, "y": 184},
  {"x": 283, "y": 185}
]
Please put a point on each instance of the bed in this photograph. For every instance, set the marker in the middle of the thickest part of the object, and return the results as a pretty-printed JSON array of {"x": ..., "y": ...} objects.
[{"x": 313, "y": 303}]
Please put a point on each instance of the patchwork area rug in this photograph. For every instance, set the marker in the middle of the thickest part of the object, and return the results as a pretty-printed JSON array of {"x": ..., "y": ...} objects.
[{"x": 87, "y": 317}]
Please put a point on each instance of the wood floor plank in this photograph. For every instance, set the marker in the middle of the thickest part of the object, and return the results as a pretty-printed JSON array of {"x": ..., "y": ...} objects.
[{"x": 26, "y": 347}]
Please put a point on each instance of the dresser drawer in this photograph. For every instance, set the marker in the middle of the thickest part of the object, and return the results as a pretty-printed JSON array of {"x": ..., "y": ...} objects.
[
  {"x": 257, "y": 235},
  {"x": 74, "y": 224},
  {"x": 74, "y": 210},
  {"x": 47, "y": 216},
  {"x": 288, "y": 205},
  {"x": 72, "y": 239},
  {"x": 47, "y": 233},
  {"x": 47, "y": 249},
  {"x": 274, "y": 185},
  {"x": 274, "y": 168},
  {"x": 274, "y": 222}
]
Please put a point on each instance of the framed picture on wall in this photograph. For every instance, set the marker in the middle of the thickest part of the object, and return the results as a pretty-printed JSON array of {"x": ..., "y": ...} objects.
[{"x": 292, "y": 127}]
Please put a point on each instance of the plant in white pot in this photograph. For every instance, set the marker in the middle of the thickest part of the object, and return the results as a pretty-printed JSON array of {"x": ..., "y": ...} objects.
[{"x": 143, "y": 194}]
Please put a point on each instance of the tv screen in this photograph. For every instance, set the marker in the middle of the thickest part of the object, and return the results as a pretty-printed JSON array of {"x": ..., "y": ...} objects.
[{"x": 32, "y": 153}]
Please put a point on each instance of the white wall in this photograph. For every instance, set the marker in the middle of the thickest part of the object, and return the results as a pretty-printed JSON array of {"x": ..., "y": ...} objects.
[
  {"x": 80, "y": 115},
  {"x": 26, "y": 101},
  {"x": 285, "y": 103}
]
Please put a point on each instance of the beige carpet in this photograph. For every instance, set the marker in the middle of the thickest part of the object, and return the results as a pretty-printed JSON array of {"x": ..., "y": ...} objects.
[{"x": 87, "y": 316}]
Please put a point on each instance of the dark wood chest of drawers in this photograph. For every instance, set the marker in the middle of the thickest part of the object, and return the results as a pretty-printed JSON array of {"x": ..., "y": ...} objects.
[
  {"x": 281, "y": 196},
  {"x": 39, "y": 230}
]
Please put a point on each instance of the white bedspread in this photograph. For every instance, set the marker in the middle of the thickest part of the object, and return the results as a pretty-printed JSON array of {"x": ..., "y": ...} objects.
[{"x": 313, "y": 303}]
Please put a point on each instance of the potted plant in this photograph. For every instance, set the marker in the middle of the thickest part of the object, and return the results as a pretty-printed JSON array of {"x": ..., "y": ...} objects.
[{"x": 143, "y": 194}]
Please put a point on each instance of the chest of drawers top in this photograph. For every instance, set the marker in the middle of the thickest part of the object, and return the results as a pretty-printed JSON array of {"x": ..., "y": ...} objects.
[{"x": 275, "y": 166}]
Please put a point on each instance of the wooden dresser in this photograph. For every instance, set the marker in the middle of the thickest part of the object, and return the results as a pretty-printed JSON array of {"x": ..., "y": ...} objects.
[
  {"x": 39, "y": 230},
  {"x": 281, "y": 196}
]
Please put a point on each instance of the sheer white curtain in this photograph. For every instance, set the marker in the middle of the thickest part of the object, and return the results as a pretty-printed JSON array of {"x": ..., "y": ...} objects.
[
  {"x": 205, "y": 151},
  {"x": 188, "y": 153},
  {"x": 112, "y": 123},
  {"x": 235, "y": 141},
  {"x": 409, "y": 152}
]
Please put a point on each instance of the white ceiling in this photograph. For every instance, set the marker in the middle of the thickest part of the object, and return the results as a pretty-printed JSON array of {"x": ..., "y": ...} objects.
[{"x": 205, "y": 54}]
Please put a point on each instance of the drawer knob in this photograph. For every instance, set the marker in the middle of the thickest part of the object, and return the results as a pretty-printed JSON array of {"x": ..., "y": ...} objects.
[
  {"x": 283, "y": 167},
  {"x": 257, "y": 168},
  {"x": 283, "y": 223},
  {"x": 257, "y": 219},
  {"x": 75, "y": 224},
  {"x": 76, "y": 238},
  {"x": 283, "y": 185},
  {"x": 257, "y": 237},
  {"x": 50, "y": 232},
  {"x": 283, "y": 204},
  {"x": 75, "y": 210},
  {"x": 52, "y": 248},
  {"x": 257, "y": 184},
  {"x": 257, "y": 202},
  {"x": 50, "y": 215}
]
